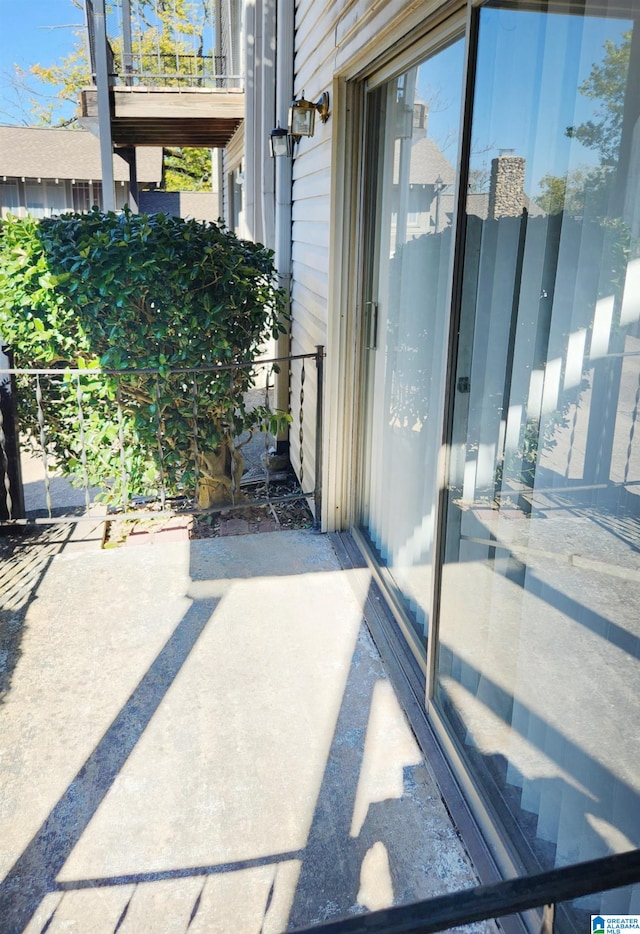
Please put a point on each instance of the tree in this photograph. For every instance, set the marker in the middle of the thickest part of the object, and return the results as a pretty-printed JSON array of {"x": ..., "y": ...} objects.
[
  {"x": 607, "y": 83},
  {"x": 135, "y": 291},
  {"x": 479, "y": 179},
  {"x": 587, "y": 190},
  {"x": 69, "y": 76},
  {"x": 583, "y": 191},
  {"x": 187, "y": 169}
]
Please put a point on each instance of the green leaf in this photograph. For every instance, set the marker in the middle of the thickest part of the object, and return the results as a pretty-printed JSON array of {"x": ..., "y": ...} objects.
[{"x": 182, "y": 293}]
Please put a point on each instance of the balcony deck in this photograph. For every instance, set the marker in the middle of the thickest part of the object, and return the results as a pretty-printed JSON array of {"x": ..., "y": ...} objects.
[{"x": 169, "y": 116}]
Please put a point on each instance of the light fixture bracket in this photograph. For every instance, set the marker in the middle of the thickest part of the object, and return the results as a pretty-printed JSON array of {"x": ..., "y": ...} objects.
[{"x": 302, "y": 114}]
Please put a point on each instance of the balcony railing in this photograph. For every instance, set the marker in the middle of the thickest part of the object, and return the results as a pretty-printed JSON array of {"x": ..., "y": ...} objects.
[
  {"x": 80, "y": 390},
  {"x": 160, "y": 69},
  {"x": 179, "y": 70}
]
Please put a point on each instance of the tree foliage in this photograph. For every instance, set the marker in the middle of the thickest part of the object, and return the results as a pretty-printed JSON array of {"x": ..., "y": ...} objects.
[
  {"x": 187, "y": 169},
  {"x": 583, "y": 192},
  {"x": 68, "y": 77},
  {"x": 129, "y": 291},
  {"x": 607, "y": 84},
  {"x": 587, "y": 190}
]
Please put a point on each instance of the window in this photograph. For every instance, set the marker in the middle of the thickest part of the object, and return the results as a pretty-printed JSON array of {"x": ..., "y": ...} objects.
[
  {"x": 35, "y": 199},
  {"x": 9, "y": 199},
  {"x": 409, "y": 267},
  {"x": 538, "y": 638},
  {"x": 45, "y": 198},
  {"x": 86, "y": 195},
  {"x": 502, "y": 335}
]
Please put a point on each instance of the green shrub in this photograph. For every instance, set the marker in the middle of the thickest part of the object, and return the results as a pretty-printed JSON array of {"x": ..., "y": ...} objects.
[{"x": 126, "y": 291}]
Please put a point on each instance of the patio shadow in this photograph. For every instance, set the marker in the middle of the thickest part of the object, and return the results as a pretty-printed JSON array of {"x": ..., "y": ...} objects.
[{"x": 33, "y": 875}]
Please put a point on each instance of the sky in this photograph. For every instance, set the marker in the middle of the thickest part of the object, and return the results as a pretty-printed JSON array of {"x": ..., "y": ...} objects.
[{"x": 32, "y": 31}]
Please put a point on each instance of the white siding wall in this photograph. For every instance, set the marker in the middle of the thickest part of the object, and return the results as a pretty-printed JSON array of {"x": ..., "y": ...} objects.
[
  {"x": 332, "y": 41},
  {"x": 231, "y": 207},
  {"x": 311, "y": 214}
]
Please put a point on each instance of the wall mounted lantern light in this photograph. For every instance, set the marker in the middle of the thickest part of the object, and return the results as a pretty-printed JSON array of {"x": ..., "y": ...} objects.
[
  {"x": 280, "y": 142},
  {"x": 302, "y": 115}
]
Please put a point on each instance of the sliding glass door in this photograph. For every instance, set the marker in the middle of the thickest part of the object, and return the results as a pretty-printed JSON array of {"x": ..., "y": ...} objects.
[
  {"x": 530, "y": 550},
  {"x": 538, "y": 679},
  {"x": 412, "y": 122}
]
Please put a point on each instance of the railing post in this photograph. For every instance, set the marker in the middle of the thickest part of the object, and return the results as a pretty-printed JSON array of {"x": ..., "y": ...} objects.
[
  {"x": 4, "y": 465},
  {"x": 83, "y": 447},
  {"x": 317, "y": 493},
  {"x": 12, "y": 506},
  {"x": 127, "y": 46}
]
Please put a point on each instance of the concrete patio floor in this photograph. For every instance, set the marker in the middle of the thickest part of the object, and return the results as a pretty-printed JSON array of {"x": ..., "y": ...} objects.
[{"x": 201, "y": 736}]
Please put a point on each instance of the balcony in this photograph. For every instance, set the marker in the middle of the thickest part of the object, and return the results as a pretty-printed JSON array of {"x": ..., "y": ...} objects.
[
  {"x": 156, "y": 99},
  {"x": 169, "y": 116}
]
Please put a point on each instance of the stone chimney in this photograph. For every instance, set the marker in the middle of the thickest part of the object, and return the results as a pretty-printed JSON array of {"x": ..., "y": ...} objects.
[
  {"x": 506, "y": 194},
  {"x": 420, "y": 120}
]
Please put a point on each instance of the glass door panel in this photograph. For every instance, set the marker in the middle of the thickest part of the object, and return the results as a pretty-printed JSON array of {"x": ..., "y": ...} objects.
[
  {"x": 412, "y": 129},
  {"x": 539, "y": 637}
]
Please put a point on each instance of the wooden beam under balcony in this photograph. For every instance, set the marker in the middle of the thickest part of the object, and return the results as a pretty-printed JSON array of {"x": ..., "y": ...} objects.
[{"x": 169, "y": 116}]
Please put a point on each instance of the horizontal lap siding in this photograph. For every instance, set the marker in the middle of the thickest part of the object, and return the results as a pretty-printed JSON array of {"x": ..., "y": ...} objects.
[
  {"x": 311, "y": 232},
  {"x": 310, "y": 228},
  {"x": 307, "y": 404},
  {"x": 315, "y": 318},
  {"x": 310, "y": 260},
  {"x": 310, "y": 285}
]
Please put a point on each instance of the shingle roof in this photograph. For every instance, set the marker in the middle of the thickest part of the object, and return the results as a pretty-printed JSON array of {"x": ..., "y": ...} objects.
[
  {"x": 47, "y": 152},
  {"x": 427, "y": 164}
]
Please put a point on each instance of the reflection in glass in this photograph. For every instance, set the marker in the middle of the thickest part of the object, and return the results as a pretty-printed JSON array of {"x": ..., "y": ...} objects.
[
  {"x": 539, "y": 633},
  {"x": 412, "y": 124}
]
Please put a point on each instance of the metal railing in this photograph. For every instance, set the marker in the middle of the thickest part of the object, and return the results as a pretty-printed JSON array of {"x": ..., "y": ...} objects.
[
  {"x": 135, "y": 68},
  {"x": 179, "y": 69},
  {"x": 495, "y": 901},
  {"x": 33, "y": 389}
]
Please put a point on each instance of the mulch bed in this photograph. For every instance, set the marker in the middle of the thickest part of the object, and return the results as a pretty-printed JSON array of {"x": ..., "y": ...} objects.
[{"x": 192, "y": 523}]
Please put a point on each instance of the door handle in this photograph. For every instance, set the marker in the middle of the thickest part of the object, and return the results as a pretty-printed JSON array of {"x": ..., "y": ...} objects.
[{"x": 372, "y": 325}]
